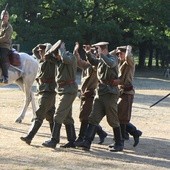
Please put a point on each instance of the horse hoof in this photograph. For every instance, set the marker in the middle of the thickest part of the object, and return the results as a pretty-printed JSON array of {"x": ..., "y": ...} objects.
[{"x": 18, "y": 121}]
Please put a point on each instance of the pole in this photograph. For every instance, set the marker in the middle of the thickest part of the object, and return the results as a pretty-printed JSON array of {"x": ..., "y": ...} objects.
[{"x": 160, "y": 100}]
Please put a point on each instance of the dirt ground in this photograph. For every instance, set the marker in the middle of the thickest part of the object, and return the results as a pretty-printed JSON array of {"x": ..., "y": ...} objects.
[{"x": 152, "y": 153}]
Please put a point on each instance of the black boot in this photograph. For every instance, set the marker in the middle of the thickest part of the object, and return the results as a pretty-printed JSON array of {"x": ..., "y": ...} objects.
[
  {"x": 131, "y": 129},
  {"x": 55, "y": 137},
  {"x": 123, "y": 130},
  {"x": 86, "y": 144},
  {"x": 51, "y": 126},
  {"x": 5, "y": 72},
  {"x": 119, "y": 143},
  {"x": 102, "y": 134},
  {"x": 82, "y": 132},
  {"x": 71, "y": 136},
  {"x": 34, "y": 128},
  {"x": 126, "y": 136}
]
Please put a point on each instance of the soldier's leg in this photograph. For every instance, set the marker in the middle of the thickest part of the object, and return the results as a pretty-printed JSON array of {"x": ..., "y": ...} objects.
[
  {"x": 50, "y": 113},
  {"x": 85, "y": 110},
  {"x": 113, "y": 121},
  {"x": 94, "y": 119},
  {"x": 44, "y": 104},
  {"x": 64, "y": 106},
  {"x": 102, "y": 134},
  {"x": 132, "y": 130},
  {"x": 4, "y": 64}
]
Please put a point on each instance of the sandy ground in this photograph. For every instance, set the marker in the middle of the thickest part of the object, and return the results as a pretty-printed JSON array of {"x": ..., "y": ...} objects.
[{"x": 152, "y": 153}]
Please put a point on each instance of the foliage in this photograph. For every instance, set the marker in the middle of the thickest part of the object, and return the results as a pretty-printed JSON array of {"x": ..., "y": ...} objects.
[{"x": 144, "y": 24}]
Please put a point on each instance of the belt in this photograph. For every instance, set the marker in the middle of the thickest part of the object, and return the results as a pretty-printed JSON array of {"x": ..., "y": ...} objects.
[
  {"x": 113, "y": 82},
  {"x": 126, "y": 88},
  {"x": 50, "y": 80},
  {"x": 64, "y": 83}
]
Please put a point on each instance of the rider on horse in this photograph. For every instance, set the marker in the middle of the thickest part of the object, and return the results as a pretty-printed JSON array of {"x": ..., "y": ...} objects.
[{"x": 6, "y": 31}]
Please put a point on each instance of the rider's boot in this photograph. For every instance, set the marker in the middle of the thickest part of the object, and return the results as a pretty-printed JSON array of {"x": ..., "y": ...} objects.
[{"x": 5, "y": 72}]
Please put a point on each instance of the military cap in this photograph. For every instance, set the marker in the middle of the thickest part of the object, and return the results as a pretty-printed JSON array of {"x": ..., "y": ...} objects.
[
  {"x": 45, "y": 46},
  {"x": 100, "y": 44},
  {"x": 55, "y": 47},
  {"x": 121, "y": 49},
  {"x": 41, "y": 47}
]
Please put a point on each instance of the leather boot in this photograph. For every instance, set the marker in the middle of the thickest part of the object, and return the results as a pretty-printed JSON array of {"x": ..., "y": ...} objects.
[
  {"x": 131, "y": 129},
  {"x": 126, "y": 136},
  {"x": 51, "y": 126},
  {"x": 123, "y": 130},
  {"x": 5, "y": 72},
  {"x": 119, "y": 143},
  {"x": 82, "y": 132},
  {"x": 86, "y": 144},
  {"x": 71, "y": 136},
  {"x": 34, "y": 128},
  {"x": 55, "y": 137},
  {"x": 102, "y": 134}
]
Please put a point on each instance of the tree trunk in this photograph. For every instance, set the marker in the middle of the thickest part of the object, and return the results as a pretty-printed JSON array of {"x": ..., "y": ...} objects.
[
  {"x": 142, "y": 54},
  {"x": 150, "y": 56}
]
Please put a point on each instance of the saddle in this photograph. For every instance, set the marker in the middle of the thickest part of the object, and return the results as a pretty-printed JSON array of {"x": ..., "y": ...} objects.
[{"x": 14, "y": 58}]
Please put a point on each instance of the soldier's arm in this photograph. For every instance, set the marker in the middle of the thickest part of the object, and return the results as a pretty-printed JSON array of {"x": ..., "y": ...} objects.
[
  {"x": 111, "y": 61},
  {"x": 129, "y": 56},
  {"x": 92, "y": 59},
  {"x": 82, "y": 64}
]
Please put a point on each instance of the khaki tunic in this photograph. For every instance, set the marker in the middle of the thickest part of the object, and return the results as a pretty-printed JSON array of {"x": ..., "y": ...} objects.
[
  {"x": 126, "y": 70},
  {"x": 46, "y": 90},
  {"x": 6, "y": 31},
  {"x": 105, "y": 101},
  {"x": 66, "y": 72},
  {"x": 89, "y": 83}
]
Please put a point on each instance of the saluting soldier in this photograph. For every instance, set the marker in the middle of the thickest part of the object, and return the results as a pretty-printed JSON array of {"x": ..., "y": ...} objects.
[
  {"x": 46, "y": 91},
  {"x": 67, "y": 91},
  {"x": 126, "y": 75},
  {"x": 88, "y": 86},
  {"x": 105, "y": 101},
  {"x": 6, "y": 31}
]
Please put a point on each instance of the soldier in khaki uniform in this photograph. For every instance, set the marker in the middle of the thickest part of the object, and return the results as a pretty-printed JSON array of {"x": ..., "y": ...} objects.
[
  {"x": 126, "y": 75},
  {"x": 46, "y": 91},
  {"x": 6, "y": 31},
  {"x": 67, "y": 91},
  {"x": 105, "y": 101},
  {"x": 88, "y": 86}
]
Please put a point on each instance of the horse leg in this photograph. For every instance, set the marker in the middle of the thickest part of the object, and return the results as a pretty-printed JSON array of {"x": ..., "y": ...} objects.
[{"x": 28, "y": 97}]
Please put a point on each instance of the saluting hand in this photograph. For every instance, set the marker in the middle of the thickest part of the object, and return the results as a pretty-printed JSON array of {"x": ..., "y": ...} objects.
[{"x": 76, "y": 47}]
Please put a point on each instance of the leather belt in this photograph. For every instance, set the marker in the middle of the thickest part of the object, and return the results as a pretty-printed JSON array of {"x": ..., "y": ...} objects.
[
  {"x": 50, "y": 80},
  {"x": 126, "y": 88}
]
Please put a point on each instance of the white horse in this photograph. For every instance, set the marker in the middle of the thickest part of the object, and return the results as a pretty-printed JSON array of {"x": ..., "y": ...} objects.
[{"x": 24, "y": 76}]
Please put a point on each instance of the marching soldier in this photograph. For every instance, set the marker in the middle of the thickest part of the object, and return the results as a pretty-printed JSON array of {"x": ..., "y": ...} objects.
[
  {"x": 105, "y": 101},
  {"x": 126, "y": 74},
  {"x": 46, "y": 91},
  {"x": 67, "y": 91},
  {"x": 88, "y": 86}
]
